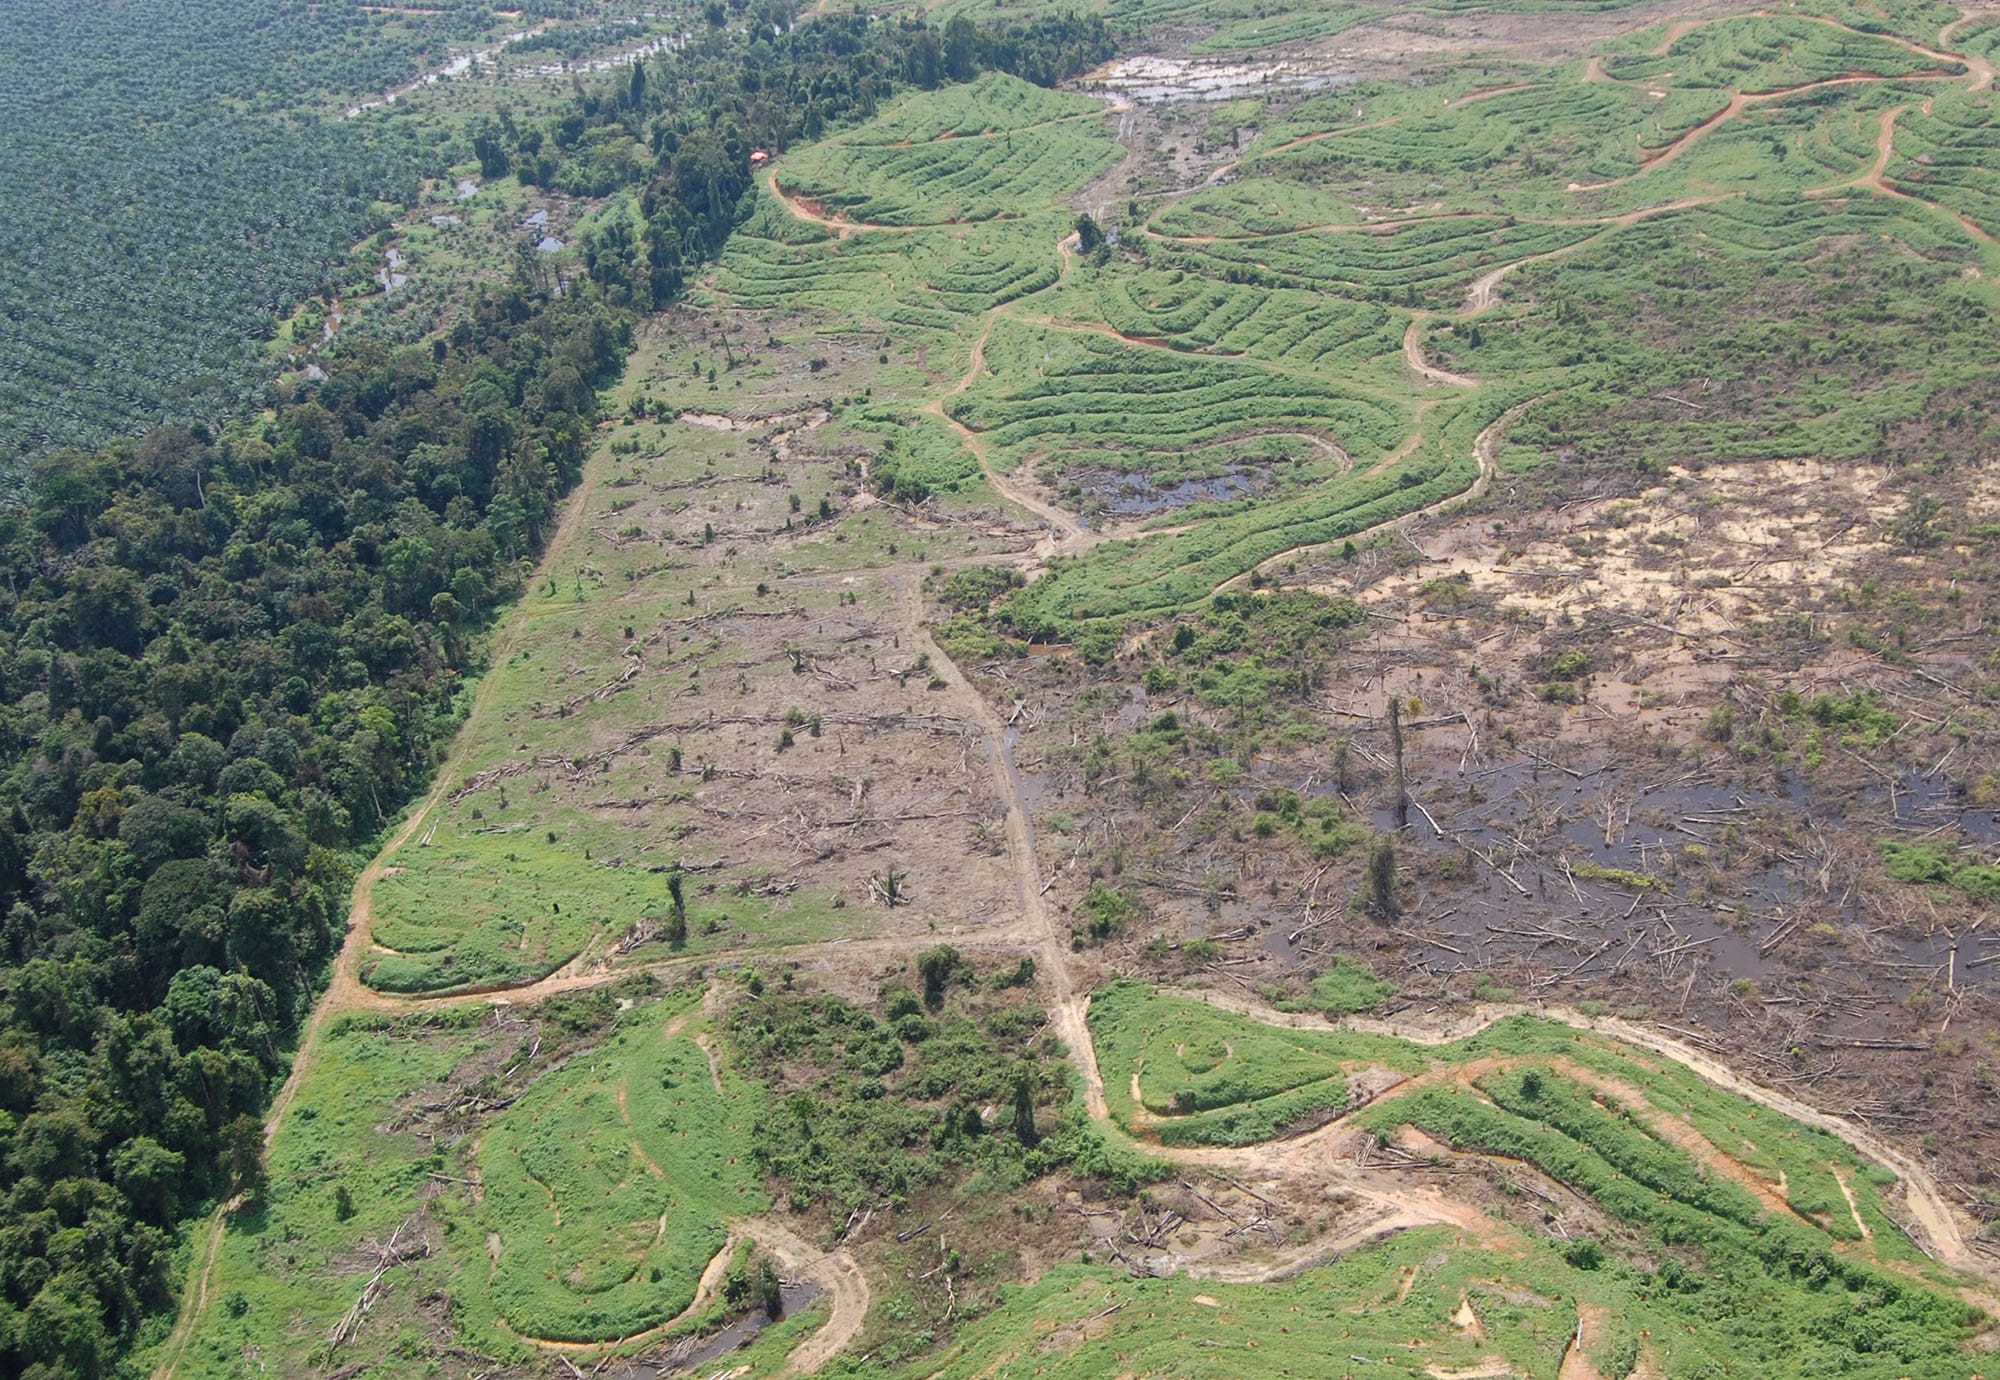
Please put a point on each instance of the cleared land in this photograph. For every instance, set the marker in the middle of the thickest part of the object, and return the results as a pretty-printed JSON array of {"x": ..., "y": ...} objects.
[{"x": 920, "y": 599}]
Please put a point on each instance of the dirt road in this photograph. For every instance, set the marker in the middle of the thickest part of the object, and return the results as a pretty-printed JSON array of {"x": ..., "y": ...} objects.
[
  {"x": 1052, "y": 943},
  {"x": 1413, "y": 355},
  {"x": 837, "y": 1273},
  {"x": 802, "y": 208},
  {"x": 1065, "y": 532},
  {"x": 1937, "y": 1225}
]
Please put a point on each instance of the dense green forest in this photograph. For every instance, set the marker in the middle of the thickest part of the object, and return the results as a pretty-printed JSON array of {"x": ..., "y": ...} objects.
[
  {"x": 177, "y": 180},
  {"x": 231, "y": 651},
  {"x": 227, "y": 661}
]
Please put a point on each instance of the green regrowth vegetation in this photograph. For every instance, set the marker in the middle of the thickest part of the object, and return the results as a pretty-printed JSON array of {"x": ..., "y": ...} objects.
[
  {"x": 866, "y": 1108},
  {"x": 1053, "y": 389},
  {"x": 1401, "y": 1304},
  {"x": 968, "y": 153},
  {"x": 610, "y": 1185},
  {"x": 1102, "y": 913},
  {"x": 1949, "y": 153},
  {"x": 340, "y": 1173},
  {"x": 1254, "y": 653},
  {"x": 1319, "y": 822},
  {"x": 1195, "y": 314},
  {"x": 1422, "y": 262},
  {"x": 1814, "y": 358},
  {"x": 1320, "y": 21},
  {"x": 1763, "y": 54},
  {"x": 1242, "y": 19},
  {"x": 921, "y": 282},
  {"x": 919, "y": 457},
  {"x": 975, "y": 587},
  {"x": 1347, "y": 987},
  {"x": 1123, "y": 579},
  {"x": 569, "y": 1177},
  {"x": 1517, "y": 147},
  {"x": 1773, "y": 1292},
  {"x": 1719, "y": 1276},
  {"x": 1186, "y": 1074},
  {"x": 1941, "y": 864},
  {"x": 489, "y": 907},
  {"x": 450, "y": 919}
]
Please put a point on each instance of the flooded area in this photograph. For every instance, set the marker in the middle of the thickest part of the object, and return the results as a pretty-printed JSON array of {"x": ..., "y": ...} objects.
[
  {"x": 1137, "y": 495},
  {"x": 456, "y": 67},
  {"x": 689, "y": 1353},
  {"x": 671, "y": 43},
  {"x": 1156, "y": 80},
  {"x": 468, "y": 63}
]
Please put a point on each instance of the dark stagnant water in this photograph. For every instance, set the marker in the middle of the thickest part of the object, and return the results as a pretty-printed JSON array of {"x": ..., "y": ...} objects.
[{"x": 690, "y": 1353}]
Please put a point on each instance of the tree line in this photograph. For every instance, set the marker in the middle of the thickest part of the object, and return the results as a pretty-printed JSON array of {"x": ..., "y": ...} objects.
[
  {"x": 230, "y": 654},
  {"x": 679, "y": 129},
  {"x": 226, "y": 663}
]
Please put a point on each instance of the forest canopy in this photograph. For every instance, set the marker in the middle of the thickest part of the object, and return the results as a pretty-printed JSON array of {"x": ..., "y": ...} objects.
[{"x": 227, "y": 662}]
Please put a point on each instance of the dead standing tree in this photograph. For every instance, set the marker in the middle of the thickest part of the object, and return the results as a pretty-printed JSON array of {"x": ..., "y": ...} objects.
[
  {"x": 1381, "y": 880},
  {"x": 1396, "y": 747}
]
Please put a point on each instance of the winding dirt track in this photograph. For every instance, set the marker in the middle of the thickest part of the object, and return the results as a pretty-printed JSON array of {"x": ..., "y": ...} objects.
[
  {"x": 1875, "y": 179},
  {"x": 838, "y": 1274},
  {"x": 1938, "y": 1227},
  {"x": 1413, "y": 355},
  {"x": 1885, "y": 149},
  {"x": 1982, "y": 68},
  {"x": 1062, "y": 527}
]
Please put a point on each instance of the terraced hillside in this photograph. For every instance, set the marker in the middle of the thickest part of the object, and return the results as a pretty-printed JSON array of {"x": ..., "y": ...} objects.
[
  {"x": 1738, "y": 1207},
  {"x": 1720, "y": 133}
]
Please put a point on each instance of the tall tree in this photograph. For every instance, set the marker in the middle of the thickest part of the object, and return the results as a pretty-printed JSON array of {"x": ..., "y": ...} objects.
[{"x": 1024, "y": 1108}]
